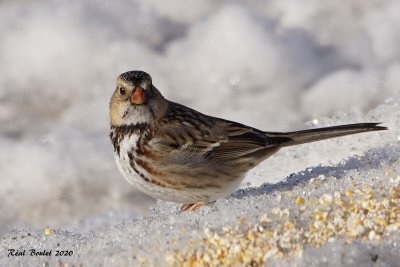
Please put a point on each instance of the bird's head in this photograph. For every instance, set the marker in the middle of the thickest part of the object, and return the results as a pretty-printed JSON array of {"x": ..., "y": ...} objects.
[{"x": 136, "y": 100}]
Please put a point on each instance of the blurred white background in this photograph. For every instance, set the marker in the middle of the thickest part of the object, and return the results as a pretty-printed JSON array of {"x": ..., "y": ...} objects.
[{"x": 274, "y": 65}]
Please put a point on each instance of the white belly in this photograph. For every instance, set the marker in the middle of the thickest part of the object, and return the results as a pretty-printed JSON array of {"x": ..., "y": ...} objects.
[
  {"x": 128, "y": 145},
  {"x": 161, "y": 192},
  {"x": 184, "y": 196}
]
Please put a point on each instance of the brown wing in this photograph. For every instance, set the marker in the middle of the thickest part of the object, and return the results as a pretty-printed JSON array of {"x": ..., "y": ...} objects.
[
  {"x": 241, "y": 141},
  {"x": 187, "y": 135}
]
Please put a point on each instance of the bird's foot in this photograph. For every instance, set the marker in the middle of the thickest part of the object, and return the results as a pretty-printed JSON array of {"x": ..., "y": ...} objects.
[{"x": 192, "y": 206}]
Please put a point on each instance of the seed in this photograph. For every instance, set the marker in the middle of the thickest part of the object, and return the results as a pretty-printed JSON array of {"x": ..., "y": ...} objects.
[
  {"x": 348, "y": 192},
  {"x": 299, "y": 200},
  {"x": 47, "y": 231}
]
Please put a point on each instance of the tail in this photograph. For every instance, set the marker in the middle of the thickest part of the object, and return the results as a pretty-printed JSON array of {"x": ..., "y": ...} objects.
[{"x": 312, "y": 135}]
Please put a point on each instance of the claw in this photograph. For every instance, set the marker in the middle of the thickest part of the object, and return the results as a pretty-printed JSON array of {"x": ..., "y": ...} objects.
[{"x": 191, "y": 207}]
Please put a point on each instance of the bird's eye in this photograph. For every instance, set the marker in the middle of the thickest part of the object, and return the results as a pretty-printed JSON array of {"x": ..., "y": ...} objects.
[{"x": 122, "y": 91}]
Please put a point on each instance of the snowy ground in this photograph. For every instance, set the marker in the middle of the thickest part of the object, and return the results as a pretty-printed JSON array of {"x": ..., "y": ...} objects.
[
  {"x": 275, "y": 65},
  {"x": 122, "y": 239}
]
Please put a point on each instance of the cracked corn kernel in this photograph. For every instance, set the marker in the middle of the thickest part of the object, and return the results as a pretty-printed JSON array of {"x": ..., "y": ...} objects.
[
  {"x": 380, "y": 221},
  {"x": 289, "y": 225},
  {"x": 299, "y": 200},
  {"x": 320, "y": 216},
  {"x": 47, "y": 231},
  {"x": 348, "y": 192}
]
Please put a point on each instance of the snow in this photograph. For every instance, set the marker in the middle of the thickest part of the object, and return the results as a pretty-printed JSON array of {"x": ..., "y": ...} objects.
[
  {"x": 274, "y": 65},
  {"x": 119, "y": 238}
]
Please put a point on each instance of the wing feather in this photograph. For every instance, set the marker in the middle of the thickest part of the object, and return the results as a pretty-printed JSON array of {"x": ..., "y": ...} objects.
[{"x": 187, "y": 135}]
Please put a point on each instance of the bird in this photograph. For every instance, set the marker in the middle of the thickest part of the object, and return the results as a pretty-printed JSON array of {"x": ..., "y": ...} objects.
[{"x": 174, "y": 153}]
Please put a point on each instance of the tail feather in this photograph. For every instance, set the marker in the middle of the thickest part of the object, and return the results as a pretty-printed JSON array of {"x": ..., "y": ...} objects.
[{"x": 312, "y": 135}]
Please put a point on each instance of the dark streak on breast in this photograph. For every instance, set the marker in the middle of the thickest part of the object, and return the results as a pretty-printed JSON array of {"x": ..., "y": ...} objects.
[
  {"x": 117, "y": 133},
  {"x": 149, "y": 169},
  {"x": 146, "y": 179}
]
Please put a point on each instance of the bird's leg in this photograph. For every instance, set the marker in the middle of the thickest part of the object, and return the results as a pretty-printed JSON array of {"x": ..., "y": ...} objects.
[{"x": 192, "y": 206}]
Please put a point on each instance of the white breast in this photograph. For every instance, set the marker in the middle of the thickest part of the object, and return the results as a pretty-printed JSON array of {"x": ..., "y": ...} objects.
[{"x": 128, "y": 145}]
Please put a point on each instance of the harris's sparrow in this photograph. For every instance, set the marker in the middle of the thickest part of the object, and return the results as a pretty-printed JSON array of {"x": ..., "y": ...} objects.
[{"x": 175, "y": 153}]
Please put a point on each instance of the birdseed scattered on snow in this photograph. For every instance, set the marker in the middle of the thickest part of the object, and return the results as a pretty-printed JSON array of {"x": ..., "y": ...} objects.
[{"x": 361, "y": 213}]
